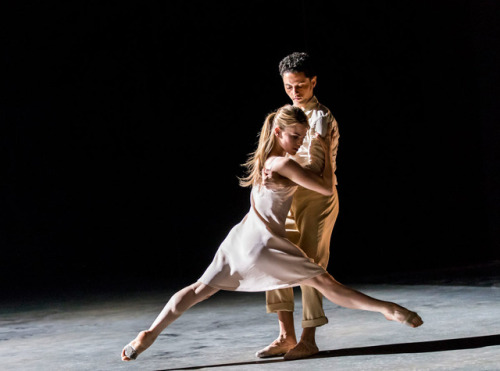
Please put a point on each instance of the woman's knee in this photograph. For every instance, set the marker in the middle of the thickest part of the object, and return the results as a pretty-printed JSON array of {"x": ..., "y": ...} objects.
[{"x": 322, "y": 281}]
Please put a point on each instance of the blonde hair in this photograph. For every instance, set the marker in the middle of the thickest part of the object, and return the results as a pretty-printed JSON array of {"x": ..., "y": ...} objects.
[{"x": 285, "y": 116}]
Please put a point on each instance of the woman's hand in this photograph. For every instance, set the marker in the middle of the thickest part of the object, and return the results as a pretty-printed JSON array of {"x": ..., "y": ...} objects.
[{"x": 274, "y": 181}]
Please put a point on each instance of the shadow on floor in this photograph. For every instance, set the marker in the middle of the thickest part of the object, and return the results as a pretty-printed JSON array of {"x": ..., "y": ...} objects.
[{"x": 420, "y": 347}]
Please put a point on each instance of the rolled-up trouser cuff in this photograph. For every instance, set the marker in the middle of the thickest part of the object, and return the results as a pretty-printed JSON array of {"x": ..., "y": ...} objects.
[
  {"x": 278, "y": 307},
  {"x": 314, "y": 322}
]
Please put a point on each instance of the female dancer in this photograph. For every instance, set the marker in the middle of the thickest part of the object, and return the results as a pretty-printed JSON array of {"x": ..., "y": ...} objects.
[{"x": 256, "y": 256}]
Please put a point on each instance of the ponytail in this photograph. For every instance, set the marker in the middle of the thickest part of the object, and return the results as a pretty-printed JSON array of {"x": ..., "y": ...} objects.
[{"x": 255, "y": 162}]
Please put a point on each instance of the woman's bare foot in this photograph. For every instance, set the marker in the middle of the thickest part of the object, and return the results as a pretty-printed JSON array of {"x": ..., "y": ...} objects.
[
  {"x": 142, "y": 342},
  {"x": 404, "y": 316}
]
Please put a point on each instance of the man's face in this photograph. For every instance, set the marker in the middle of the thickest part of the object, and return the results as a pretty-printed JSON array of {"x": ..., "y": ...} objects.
[{"x": 298, "y": 87}]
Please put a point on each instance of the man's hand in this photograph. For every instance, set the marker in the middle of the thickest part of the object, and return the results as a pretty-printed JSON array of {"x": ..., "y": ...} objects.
[{"x": 274, "y": 181}]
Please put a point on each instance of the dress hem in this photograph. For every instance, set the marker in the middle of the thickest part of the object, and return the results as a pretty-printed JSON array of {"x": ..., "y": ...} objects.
[{"x": 276, "y": 287}]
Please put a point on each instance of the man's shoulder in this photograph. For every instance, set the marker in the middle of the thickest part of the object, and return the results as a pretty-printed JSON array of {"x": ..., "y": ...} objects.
[
  {"x": 320, "y": 110},
  {"x": 320, "y": 113}
]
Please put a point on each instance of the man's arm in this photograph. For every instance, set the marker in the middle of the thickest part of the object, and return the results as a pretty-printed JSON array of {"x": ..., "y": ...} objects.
[{"x": 316, "y": 151}]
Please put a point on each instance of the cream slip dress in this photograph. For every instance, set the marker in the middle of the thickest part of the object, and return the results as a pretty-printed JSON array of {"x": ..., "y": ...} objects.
[{"x": 256, "y": 256}]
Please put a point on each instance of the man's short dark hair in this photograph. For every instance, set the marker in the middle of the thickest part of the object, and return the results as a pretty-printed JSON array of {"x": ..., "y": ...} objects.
[{"x": 296, "y": 63}]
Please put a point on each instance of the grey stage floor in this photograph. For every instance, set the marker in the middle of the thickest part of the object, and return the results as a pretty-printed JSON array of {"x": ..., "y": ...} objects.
[{"x": 461, "y": 332}]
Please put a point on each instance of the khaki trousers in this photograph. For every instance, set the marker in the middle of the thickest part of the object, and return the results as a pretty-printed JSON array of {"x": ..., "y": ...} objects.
[{"x": 309, "y": 225}]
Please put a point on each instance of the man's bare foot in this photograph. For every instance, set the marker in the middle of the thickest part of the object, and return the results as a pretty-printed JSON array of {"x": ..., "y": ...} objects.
[
  {"x": 301, "y": 350},
  {"x": 142, "y": 342},
  {"x": 277, "y": 348},
  {"x": 404, "y": 316}
]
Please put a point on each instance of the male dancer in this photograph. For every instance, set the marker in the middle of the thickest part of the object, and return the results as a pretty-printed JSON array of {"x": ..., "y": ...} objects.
[{"x": 312, "y": 216}]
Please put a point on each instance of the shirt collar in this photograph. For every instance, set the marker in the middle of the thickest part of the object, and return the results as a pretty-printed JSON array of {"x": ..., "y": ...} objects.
[{"x": 313, "y": 102}]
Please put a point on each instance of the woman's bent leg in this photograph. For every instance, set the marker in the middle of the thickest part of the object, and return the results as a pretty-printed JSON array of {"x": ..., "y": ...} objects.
[
  {"x": 350, "y": 298},
  {"x": 181, "y": 301}
]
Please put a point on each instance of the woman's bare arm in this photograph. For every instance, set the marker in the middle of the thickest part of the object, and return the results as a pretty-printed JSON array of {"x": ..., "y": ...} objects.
[
  {"x": 323, "y": 184},
  {"x": 306, "y": 178}
]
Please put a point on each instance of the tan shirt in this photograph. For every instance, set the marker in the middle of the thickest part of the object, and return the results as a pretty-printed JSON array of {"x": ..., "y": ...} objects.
[{"x": 311, "y": 155}]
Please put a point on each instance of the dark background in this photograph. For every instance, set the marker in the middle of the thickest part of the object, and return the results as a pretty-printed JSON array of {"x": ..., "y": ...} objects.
[{"x": 124, "y": 125}]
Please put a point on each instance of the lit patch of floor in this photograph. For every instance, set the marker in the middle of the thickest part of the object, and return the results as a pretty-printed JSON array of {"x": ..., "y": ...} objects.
[{"x": 461, "y": 332}]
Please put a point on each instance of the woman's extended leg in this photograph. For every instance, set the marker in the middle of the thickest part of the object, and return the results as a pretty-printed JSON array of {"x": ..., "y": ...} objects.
[
  {"x": 181, "y": 301},
  {"x": 350, "y": 298}
]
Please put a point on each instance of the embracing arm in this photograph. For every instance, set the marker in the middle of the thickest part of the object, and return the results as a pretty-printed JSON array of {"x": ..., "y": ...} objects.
[
  {"x": 306, "y": 178},
  {"x": 323, "y": 184}
]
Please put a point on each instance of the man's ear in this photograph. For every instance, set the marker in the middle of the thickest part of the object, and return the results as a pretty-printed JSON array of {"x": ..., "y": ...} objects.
[{"x": 314, "y": 80}]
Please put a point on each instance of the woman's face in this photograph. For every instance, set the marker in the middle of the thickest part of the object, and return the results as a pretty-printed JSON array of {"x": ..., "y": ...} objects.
[{"x": 291, "y": 138}]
